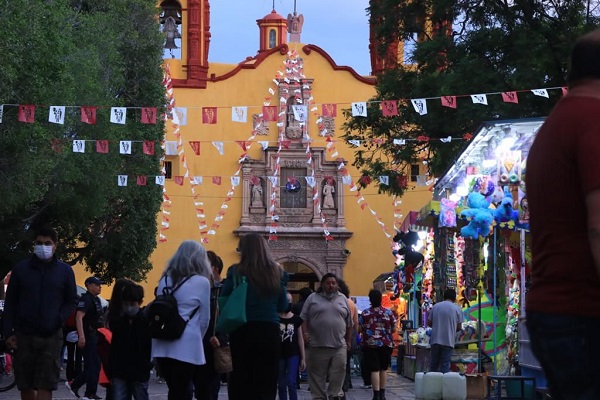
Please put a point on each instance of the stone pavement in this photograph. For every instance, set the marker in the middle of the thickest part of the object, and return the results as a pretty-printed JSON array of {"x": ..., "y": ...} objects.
[{"x": 398, "y": 388}]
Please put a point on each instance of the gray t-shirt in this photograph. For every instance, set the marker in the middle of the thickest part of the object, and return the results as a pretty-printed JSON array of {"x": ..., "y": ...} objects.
[
  {"x": 445, "y": 316},
  {"x": 327, "y": 320}
]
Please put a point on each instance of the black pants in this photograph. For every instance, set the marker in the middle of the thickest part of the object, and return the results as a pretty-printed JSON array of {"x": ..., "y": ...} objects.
[
  {"x": 207, "y": 381},
  {"x": 365, "y": 374},
  {"x": 255, "y": 351},
  {"x": 74, "y": 360},
  {"x": 179, "y": 377},
  {"x": 91, "y": 366}
]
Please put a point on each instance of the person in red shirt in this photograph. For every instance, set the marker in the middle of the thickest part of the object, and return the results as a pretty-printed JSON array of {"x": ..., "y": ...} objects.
[
  {"x": 377, "y": 324},
  {"x": 563, "y": 190}
]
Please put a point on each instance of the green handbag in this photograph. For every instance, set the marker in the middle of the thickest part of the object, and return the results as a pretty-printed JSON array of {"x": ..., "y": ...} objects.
[{"x": 232, "y": 308}]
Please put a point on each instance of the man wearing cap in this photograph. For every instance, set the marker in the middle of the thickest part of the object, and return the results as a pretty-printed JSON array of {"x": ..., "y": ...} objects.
[
  {"x": 88, "y": 320},
  {"x": 40, "y": 296}
]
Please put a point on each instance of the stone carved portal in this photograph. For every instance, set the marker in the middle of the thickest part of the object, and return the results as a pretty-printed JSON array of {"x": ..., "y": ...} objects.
[{"x": 300, "y": 236}]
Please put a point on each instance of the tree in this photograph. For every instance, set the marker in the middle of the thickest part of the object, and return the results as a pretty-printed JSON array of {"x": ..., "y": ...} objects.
[
  {"x": 75, "y": 53},
  {"x": 464, "y": 47}
]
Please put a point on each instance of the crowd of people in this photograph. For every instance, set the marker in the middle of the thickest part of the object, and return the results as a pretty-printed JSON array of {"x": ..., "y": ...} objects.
[{"x": 45, "y": 319}]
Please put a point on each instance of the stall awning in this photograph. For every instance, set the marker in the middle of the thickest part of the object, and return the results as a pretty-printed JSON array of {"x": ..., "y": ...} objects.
[{"x": 410, "y": 221}]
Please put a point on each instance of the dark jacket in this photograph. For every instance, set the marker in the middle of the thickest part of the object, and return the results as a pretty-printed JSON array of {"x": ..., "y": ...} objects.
[
  {"x": 40, "y": 297},
  {"x": 130, "y": 349}
]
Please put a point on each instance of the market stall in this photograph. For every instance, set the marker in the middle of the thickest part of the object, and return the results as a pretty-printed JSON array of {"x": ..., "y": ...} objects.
[{"x": 477, "y": 243}]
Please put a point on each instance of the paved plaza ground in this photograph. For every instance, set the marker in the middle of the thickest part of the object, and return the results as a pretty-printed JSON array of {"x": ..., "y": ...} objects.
[{"x": 399, "y": 388}]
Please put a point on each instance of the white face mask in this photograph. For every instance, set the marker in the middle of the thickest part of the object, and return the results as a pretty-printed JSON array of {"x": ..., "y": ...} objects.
[
  {"x": 43, "y": 252},
  {"x": 131, "y": 311}
]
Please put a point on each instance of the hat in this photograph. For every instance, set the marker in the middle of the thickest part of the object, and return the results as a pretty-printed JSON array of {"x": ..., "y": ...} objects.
[{"x": 93, "y": 279}]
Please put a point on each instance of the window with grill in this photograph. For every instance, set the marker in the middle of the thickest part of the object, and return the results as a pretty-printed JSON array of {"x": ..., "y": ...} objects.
[
  {"x": 168, "y": 169},
  {"x": 292, "y": 196},
  {"x": 414, "y": 172}
]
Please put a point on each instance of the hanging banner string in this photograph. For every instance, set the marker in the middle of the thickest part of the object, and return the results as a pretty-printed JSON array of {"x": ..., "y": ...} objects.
[
  {"x": 181, "y": 153},
  {"x": 361, "y": 201},
  {"x": 118, "y": 115}
]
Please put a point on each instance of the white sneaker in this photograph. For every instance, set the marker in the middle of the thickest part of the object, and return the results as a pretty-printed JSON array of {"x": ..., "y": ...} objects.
[{"x": 72, "y": 390}]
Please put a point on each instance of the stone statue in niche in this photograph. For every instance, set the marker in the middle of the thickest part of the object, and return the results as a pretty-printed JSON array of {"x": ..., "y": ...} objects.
[
  {"x": 260, "y": 126},
  {"x": 256, "y": 192},
  {"x": 328, "y": 191},
  {"x": 293, "y": 129}
]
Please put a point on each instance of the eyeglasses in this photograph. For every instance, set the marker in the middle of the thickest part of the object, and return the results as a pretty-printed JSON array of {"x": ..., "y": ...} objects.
[{"x": 46, "y": 243}]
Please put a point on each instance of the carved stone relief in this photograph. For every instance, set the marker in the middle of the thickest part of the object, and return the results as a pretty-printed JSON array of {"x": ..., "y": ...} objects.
[
  {"x": 299, "y": 229},
  {"x": 260, "y": 127},
  {"x": 327, "y": 126}
]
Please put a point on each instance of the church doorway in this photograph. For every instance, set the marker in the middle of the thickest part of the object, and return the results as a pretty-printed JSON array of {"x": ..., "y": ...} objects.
[{"x": 301, "y": 275}]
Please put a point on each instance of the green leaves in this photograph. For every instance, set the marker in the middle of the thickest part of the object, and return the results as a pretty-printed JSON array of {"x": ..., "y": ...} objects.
[
  {"x": 492, "y": 46},
  {"x": 77, "y": 53}
]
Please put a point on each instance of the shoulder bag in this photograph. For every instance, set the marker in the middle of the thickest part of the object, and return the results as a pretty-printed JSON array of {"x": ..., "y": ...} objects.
[{"x": 233, "y": 307}]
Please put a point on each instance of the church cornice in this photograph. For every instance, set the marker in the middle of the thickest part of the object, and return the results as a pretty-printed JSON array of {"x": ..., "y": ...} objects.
[
  {"x": 254, "y": 62},
  {"x": 307, "y": 49},
  {"x": 246, "y": 64}
]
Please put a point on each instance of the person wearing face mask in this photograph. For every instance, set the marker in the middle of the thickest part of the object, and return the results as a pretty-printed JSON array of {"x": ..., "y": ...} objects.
[
  {"x": 328, "y": 328},
  {"x": 129, "y": 362},
  {"x": 40, "y": 297}
]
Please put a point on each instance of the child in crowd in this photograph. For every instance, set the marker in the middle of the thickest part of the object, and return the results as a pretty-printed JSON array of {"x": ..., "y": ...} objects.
[
  {"x": 292, "y": 353},
  {"x": 130, "y": 349}
]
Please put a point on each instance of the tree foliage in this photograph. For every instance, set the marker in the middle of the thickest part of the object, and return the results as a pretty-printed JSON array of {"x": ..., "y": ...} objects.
[
  {"x": 71, "y": 52},
  {"x": 491, "y": 46}
]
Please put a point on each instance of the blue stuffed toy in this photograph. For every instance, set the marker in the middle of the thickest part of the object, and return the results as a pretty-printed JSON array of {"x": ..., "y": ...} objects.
[
  {"x": 505, "y": 211},
  {"x": 480, "y": 216}
]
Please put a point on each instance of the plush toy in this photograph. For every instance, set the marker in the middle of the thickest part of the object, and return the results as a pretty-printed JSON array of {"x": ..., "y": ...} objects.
[
  {"x": 480, "y": 215},
  {"x": 407, "y": 260},
  {"x": 498, "y": 195},
  {"x": 505, "y": 211}
]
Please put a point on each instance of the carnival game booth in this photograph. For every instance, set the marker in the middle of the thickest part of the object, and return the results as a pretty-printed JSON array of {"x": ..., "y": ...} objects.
[{"x": 478, "y": 222}]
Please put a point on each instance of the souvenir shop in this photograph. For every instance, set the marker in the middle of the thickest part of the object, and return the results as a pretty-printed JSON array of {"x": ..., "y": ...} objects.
[{"x": 474, "y": 238}]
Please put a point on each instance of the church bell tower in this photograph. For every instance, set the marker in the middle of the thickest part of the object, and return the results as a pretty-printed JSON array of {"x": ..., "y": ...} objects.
[{"x": 186, "y": 24}]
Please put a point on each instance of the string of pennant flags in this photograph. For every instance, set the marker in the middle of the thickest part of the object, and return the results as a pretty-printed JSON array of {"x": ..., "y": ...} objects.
[
  {"x": 269, "y": 113},
  {"x": 173, "y": 147},
  {"x": 235, "y": 180}
]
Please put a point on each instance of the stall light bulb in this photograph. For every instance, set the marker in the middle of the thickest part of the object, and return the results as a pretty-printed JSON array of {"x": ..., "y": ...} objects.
[
  {"x": 462, "y": 191},
  {"x": 418, "y": 246},
  {"x": 489, "y": 163}
]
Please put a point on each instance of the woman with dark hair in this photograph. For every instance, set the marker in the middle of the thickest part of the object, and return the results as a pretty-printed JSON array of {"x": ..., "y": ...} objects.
[
  {"x": 377, "y": 325},
  {"x": 256, "y": 345},
  {"x": 188, "y": 271}
]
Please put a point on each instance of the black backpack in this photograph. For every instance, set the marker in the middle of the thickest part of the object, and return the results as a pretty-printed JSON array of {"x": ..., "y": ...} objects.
[{"x": 163, "y": 314}]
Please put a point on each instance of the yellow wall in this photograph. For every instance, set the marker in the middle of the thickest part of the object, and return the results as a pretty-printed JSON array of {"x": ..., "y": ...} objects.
[{"x": 370, "y": 249}]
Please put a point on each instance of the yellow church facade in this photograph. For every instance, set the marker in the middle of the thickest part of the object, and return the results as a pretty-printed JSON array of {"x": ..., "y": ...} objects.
[{"x": 256, "y": 147}]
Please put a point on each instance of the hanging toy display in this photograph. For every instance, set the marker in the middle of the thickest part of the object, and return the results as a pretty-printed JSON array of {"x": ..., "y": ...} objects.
[{"x": 407, "y": 261}]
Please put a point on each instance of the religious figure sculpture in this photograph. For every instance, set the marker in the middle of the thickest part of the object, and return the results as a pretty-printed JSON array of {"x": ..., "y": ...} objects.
[
  {"x": 256, "y": 198},
  {"x": 294, "y": 26},
  {"x": 328, "y": 191}
]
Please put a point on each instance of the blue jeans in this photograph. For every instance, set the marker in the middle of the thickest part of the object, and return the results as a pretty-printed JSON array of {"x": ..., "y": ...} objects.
[
  {"x": 567, "y": 348},
  {"x": 439, "y": 359},
  {"x": 288, "y": 374},
  {"x": 123, "y": 389}
]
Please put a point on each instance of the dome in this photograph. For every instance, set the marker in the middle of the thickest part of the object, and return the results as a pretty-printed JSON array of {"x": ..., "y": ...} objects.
[{"x": 273, "y": 16}]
